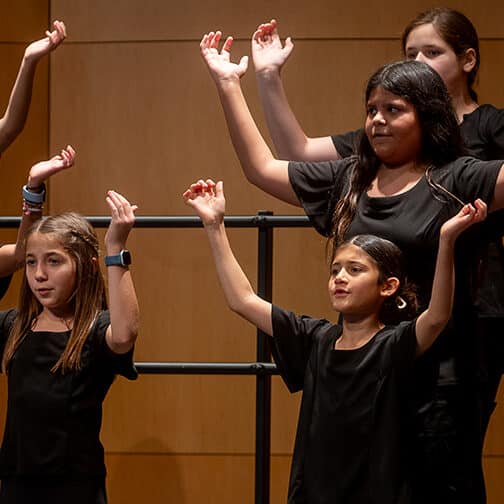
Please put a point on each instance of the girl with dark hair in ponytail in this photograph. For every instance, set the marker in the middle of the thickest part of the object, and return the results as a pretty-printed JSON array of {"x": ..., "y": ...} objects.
[{"x": 351, "y": 444}]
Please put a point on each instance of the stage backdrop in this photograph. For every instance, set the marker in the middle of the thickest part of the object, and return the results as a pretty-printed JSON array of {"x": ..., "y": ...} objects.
[{"x": 129, "y": 91}]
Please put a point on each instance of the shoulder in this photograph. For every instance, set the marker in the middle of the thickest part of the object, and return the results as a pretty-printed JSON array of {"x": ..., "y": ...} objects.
[
  {"x": 7, "y": 318},
  {"x": 303, "y": 325}
]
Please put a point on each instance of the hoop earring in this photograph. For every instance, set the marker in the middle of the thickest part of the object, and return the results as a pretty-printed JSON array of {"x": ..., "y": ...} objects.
[{"x": 400, "y": 303}]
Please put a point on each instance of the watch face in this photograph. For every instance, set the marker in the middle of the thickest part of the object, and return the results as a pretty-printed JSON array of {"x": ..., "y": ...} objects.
[
  {"x": 126, "y": 257},
  {"x": 121, "y": 259}
]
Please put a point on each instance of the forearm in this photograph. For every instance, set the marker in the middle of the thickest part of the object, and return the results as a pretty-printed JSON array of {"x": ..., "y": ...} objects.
[
  {"x": 123, "y": 308},
  {"x": 291, "y": 142},
  {"x": 14, "y": 119},
  {"x": 258, "y": 163},
  {"x": 238, "y": 291}
]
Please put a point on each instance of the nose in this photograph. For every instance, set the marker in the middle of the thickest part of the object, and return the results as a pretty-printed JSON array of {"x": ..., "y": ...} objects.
[
  {"x": 378, "y": 118},
  {"x": 340, "y": 277},
  {"x": 420, "y": 57},
  {"x": 40, "y": 273}
]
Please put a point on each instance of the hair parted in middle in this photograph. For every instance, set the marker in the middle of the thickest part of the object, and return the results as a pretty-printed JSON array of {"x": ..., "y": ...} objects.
[
  {"x": 79, "y": 240},
  {"x": 390, "y": 262},
  {"x": 442, "y": 142}
]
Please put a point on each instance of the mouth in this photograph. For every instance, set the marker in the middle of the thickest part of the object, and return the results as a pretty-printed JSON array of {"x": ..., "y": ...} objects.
[
  {"x": 340, "y": 292},
  {"x": 43, "y": 291}
]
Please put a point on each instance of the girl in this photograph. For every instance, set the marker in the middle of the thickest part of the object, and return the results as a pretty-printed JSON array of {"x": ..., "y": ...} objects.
[
  {"x": 61, "y": 350},
  {"x": 406, "y": 180},
  {"x": 350, "y": 444},
  {"x": 14, "y": 118},
  {"x": 447, "y": 41}
]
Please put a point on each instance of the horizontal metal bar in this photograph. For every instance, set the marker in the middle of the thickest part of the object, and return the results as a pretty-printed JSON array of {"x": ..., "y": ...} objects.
[
  {"x": 185, "y": 221},
  {"x": 207, "y": 368}
]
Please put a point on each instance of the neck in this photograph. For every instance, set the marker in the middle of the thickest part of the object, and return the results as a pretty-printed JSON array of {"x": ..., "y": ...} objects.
[
  {"x": 462, "y": 102},
  {"x": 391, "y": 180},
  {"x": 55, "y": 320},
  {"x": 357, "y": 331}
]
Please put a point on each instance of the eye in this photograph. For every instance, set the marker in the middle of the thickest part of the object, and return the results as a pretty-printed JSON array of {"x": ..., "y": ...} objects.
[
  {"x": 411, "y": 55},
  {"x": 371, "y": 111},
  {"x": 356, "y": 269},
  {"x": 432, "y": 53},
  {"x": 54, "y": 261},
  {"x": 30, "y": 262}
]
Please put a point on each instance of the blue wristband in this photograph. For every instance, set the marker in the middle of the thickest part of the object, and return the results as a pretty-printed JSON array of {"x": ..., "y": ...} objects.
[{"x": 36, "y": 198}]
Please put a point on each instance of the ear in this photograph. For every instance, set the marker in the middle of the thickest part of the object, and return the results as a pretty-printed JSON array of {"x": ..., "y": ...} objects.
[
  {"x": 96, "y": 265},
  {"x": 468, "y": 60},
  {"x": 389, "y": 287}
]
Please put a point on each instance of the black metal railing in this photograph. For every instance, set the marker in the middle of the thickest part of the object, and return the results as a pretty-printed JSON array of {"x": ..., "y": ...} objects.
[{"x": 263, "y": 368}]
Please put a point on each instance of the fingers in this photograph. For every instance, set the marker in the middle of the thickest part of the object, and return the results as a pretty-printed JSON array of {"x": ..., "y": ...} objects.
[
  {"x": 68, "y": 156},
  {"x": 121, "y": 209},
  {"x": 201, "y": 188}
]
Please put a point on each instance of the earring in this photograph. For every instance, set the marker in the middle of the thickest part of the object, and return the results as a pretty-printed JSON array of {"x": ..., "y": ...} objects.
[{"x": 400, "y": 303}]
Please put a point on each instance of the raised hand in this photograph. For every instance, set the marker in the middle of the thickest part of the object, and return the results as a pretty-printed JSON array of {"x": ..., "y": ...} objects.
[
  {"x": 268, "y": 52},
  {"x": 219, "y": 63},
  {"x": 207, "y": 200},
  {"x": 123, "y": 219},
  {"x": 466, "y": 217},
  {"x": 53, "y": 39},
  {"x": 40, "y": 172}
]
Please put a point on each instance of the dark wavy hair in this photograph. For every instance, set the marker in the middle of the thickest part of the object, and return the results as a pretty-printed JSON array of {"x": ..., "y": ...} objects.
[
  {"x": 390, "y": 262},
  {"x": 441, "y": 140},
  {"x": 456, "y": 30}
]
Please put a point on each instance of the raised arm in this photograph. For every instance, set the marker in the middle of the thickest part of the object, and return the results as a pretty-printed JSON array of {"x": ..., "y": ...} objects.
[
  {"x": 12, "y": 256},
  {"x": 257, "y": 161},
  {"x": 207, "y": 200},
  {"x": 433, "y": 320},
  {"x": 123, "y": 305},
  {"x": 14, "y": 118},
  {"x": 291, "y": 142}
]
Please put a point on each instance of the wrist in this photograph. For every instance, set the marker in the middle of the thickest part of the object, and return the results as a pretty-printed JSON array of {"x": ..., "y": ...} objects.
[{"x": 268, "y": 72}]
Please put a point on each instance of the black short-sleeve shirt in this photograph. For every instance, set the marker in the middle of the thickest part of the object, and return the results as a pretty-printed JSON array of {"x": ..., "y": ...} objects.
[
  {"x": 53, "y": 420},
  {"x": 412, "y": 220},
  {"x": 351, "y": 439}
]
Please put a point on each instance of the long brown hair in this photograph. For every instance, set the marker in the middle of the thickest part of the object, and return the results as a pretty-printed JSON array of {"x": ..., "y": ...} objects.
[
  {"x": 456, "y": 30},
  {"x": 79, "y": 240},
  {"x": 441, "y": 140}
]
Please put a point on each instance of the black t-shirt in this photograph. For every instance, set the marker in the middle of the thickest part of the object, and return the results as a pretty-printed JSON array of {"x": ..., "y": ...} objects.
[
  {"x": 483, "y": 134},
  {"x": 351, "y": 440},
  {"x": 412, "y": 220},
  {"x": 53, "y": 420}
]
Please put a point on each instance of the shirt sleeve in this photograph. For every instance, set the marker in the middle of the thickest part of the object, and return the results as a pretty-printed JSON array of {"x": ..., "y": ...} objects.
[
  {"x": 291, "y": 344},
  {"x": 475, "y": 179},
  {"x": 121, "y": 364},
  {"x": 404, "y": 346},
  {"x": 347, "y": 144},
  {"x": 494, "y": 131},
  {"x": 6, "y": 321},
  {"x": 318, "y": 186}
]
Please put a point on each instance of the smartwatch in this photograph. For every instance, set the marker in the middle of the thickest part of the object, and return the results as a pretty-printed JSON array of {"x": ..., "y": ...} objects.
[{"x": 122, "y": 259}]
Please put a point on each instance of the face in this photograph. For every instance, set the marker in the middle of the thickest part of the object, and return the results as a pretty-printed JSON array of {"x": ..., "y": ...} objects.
[
  {"x": 393, "y": 128},
  {"x": 425, "y": 44},
  {"x": 354, "y": 286},
  {"x": 50, "y": 272}
]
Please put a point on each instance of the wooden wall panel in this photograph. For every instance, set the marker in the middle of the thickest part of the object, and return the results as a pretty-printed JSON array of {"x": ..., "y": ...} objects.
[
  {"x": 23, "y": 20},
  {"x": 146, "y": 121},
  {"x": 94, "y": 20},
  {"x": 212, "y": 479}
]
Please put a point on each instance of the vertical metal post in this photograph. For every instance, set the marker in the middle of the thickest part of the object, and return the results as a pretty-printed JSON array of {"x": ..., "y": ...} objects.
[{"x": 263, "y": 382}]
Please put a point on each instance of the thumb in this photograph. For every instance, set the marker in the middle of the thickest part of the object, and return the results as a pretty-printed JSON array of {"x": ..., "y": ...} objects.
[
  {"x": 219, "y": 189},
  {"x": 243, "y": 65}
]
